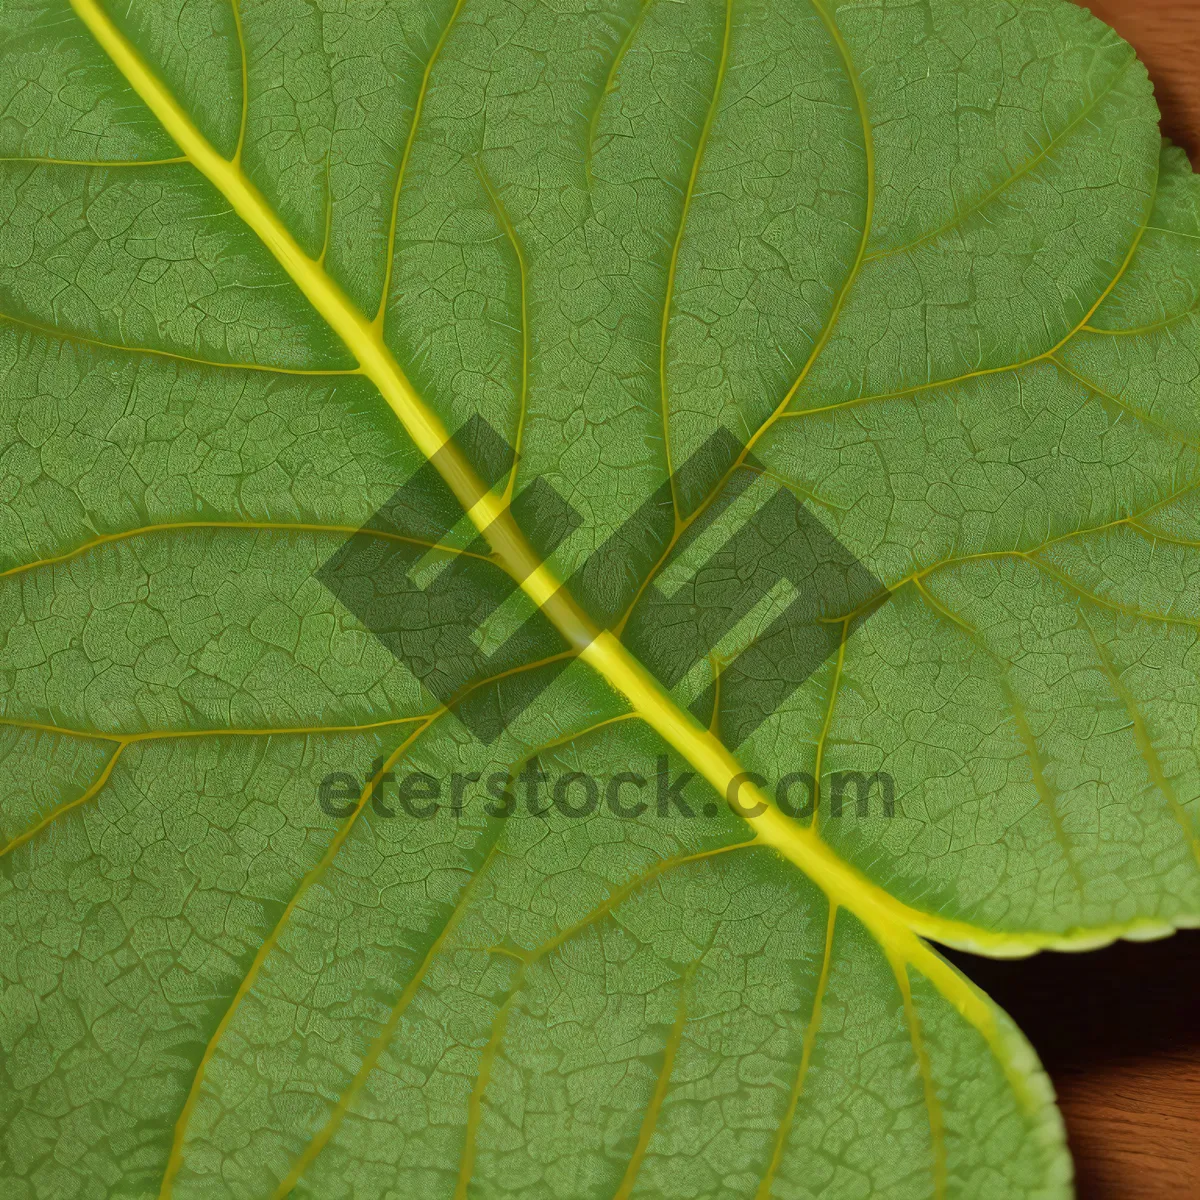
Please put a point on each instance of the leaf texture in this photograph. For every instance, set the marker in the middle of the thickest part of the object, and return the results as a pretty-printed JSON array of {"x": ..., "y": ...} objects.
[{"x": 927, "y": 271}]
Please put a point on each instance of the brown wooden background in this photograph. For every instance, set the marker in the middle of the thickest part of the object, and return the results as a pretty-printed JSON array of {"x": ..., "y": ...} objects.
[{"x": 1119, "y": 1029}]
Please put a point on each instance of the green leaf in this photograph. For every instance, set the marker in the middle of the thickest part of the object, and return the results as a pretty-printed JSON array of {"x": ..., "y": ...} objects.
[{"x": 922, "y": 279}]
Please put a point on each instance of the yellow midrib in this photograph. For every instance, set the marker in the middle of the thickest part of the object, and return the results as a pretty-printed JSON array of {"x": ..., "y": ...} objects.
[{"x": 892, "y": 923}]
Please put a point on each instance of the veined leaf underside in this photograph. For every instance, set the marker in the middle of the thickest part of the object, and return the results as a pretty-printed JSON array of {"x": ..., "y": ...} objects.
[{"x": 1062, "y": 678}]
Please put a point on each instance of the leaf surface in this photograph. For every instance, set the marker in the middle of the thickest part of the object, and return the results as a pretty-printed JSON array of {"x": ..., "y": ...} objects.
[{"x": 910, "y": 288}]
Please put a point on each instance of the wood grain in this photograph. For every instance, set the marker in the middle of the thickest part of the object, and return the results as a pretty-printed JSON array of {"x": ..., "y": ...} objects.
[{"x": 1119, "y": 1029}]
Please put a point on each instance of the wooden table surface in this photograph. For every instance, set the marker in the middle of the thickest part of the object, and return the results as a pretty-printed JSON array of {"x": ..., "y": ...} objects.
[{"x": 1119, "y": 1029}]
